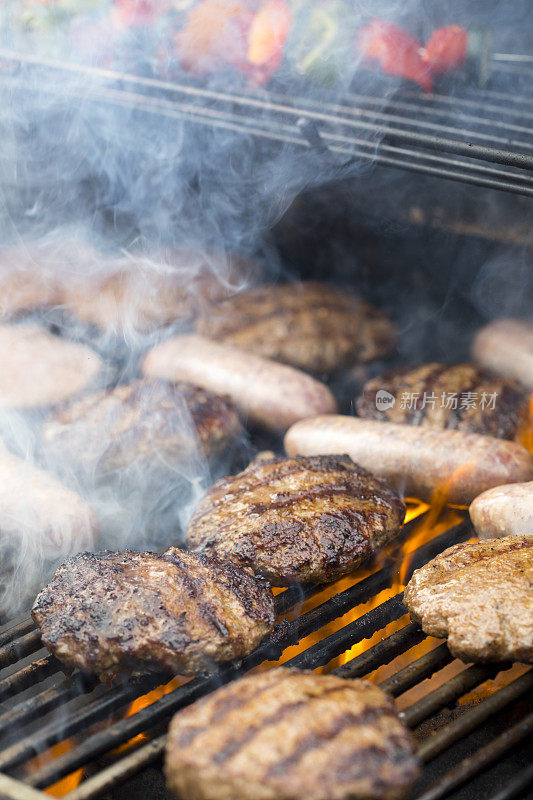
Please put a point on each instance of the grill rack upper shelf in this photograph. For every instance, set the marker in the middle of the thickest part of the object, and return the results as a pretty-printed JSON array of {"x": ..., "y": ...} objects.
[{"x": 484, "y": 138}]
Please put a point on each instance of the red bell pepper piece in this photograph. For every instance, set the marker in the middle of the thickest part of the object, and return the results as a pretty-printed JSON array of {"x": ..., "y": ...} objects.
[
  {"x": 446, "y": 49},
  {"x": 138, "y": 13},
  {"x": 395, "y": 51}
]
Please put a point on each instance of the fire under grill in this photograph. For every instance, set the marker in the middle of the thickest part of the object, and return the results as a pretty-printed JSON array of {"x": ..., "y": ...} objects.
[
  {"x": 467, "y": 719},
  {"x": 479, "y": 137}
]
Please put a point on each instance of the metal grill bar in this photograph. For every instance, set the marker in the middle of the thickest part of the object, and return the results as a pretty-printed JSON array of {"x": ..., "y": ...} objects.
[
  {"x": 416, "y": 672},
  {"x": 484, "y": 757},
  {"x": 20, "y": 648},
  {"x": 16, "y": 631},
  {"x": 441, "y": 740},
  {"x": 332, "y": 646},
  {"x": 275, "y": 117},
  {"x": 28, "y": 676},
  {"x": 381, "y": 653},
  {"x": 45, "y": 702},
  {"x": 448, "y": 693},
  {"x": 515, "y": 787}
]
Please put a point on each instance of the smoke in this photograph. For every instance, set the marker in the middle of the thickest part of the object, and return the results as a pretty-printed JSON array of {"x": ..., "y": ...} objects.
[{"x": 126, "y": 205}]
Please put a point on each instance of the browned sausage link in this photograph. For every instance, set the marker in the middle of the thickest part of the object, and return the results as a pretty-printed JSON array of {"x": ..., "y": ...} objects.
[
  {"x": 416, "y": 461},
  {"x": 506, "y": 347},
  {"x": 504, "y": 510},
  {"x": 36, "y": 509},
  {"x": 269, "y": 394}
]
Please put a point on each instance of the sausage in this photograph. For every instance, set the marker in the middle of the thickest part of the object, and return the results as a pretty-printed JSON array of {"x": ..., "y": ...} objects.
[
  {"x": 506, "y": 347},
  {"x": 41, "y": 369},
  {"x": 503, "y": 510},
  {"x": 40, "y": 515},
  {"x": 269, "y": 394},
  {"x": 416, "y": 461}
]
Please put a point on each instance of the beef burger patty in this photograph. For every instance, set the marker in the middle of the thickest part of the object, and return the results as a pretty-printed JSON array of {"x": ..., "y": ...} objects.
[
  {"x": 109, "y": 612},
  {"x": 305, "y": 519},
  {"x": 287, "y": 734},
  {"x": 315, "y": 326},
  {"x": 479, "y": 596}
]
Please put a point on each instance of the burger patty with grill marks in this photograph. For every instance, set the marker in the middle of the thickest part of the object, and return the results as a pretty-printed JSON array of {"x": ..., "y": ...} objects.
[
  {"x": 454, "y": 396},
  {"x": 305, "y": 519},
  {"x": 287, "y": 734},
  {"x": 111, "y": 612},
  {"x": 315, "y": 326}
]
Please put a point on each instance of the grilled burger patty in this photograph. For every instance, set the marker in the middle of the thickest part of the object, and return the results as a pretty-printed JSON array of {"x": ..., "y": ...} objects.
[
  {"x": 297, "y": 519},
  {"x": 315, "y": 326},
  {"x": 479, "y": 595},
  {"x": 145, "y": 422},
  {"x": 288, "y": 734},
  {"x": 108, "y": 612},
  {"x": 39, "y": 369},
  {"x": 139, "y": 293},
  {"x": 484, "y": 403}
]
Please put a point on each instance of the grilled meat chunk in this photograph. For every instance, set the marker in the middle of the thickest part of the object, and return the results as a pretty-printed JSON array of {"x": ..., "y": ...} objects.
[
  {"x": 454, "y": 396},
  {"x": 297, "y": 519},
  {"x": 143, "y": 423},
  {"x": 288, "y": 734},
  {"x": 108, "y": 612},
  {"x": 39, "y": 369},
  {"x": 315, "y": 326},
  {"x": 480, "y": 597}
]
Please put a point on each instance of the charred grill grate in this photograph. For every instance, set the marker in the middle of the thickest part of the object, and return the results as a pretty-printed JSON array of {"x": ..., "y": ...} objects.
[
  {"x": 482, "y": 138},
  {"x": 81, "y": 708}
]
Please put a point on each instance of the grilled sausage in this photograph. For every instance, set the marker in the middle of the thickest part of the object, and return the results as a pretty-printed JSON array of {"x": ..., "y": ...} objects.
[
  {"x": 39, "y": 369},
  {"x": 506, "y": 347},
  {"x": 37, "y": 510},
  {"x": 417, "y": 461},
  {"x": 269, "y": 394},
  {"x": 503, "y": 510}
]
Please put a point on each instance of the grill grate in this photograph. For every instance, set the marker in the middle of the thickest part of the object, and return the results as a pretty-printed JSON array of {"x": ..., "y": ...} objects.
[
  {"x": 81, "y": 706},
  {"x": 483, "y": 138}
]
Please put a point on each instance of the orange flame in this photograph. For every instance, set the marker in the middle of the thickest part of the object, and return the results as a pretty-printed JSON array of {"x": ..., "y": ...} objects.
[
  {"x": 143, "y": 702},
  {"x": 66, "y": 784},
  {"x": 526, "y": 432}
]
